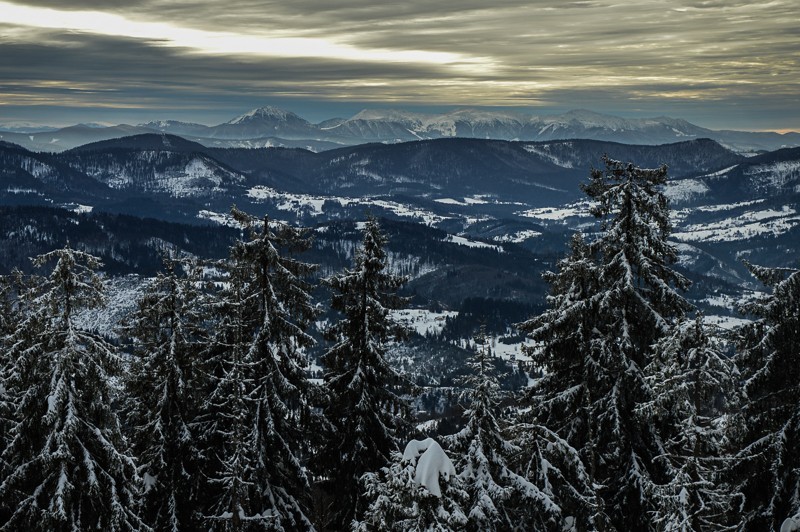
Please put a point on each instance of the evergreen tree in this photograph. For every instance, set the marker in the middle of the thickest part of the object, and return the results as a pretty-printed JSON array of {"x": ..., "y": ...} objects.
[
  {"x": 499, "y": 498},
  {"x": 68, "y": 467},
  {"x": 364, "y": 407},
  {"x": 693, "y": 385},
  {"x": 767, "y": 466},
  {"x": 167, "y": 334},
  {"x": 566, "y": 330},
  {"x": 555, "y": 468},
  {"x": 10, "y": 316},
  {"x": 232, "y": 501},
  {"x": 626, "y": 302},
  {"x": 418, "y": 491},
  {"x": 259, "y": 404}
]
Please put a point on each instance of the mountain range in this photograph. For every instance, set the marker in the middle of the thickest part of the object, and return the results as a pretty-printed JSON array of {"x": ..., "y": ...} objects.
[
  {"x": 487, "y": 197},
  {"x": 533, "y": 174},
  {"x": 269, "y": 126}
]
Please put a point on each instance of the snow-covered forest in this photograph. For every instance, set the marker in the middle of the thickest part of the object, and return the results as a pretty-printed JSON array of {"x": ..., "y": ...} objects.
[{"x": 198, "y": 414}]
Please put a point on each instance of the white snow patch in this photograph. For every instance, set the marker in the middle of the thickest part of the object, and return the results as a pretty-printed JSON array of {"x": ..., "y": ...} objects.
[
  {"x": 427, "y": 426},
  {"x": 431, "y": 463},
  {"x": 722, "y": 172},
  {"x": 464, "y": 202},
  {"x": 519, "y": 236},
  {"x": 791, "y": 524},
  {"x": 747, "y": 225},
  {"x": 685, "y": 189},
  {"x": 218, "y": 217},
  {"x": 82, "y": 209},
  {"x": 424, "y": 322},
  {"x": 543, "y": 152},
  {"x": 149, "y": 481},
  {"x": 462, "y": 241},
  {"x": 774, "y": 177},
  {"x": 574, "y": 210},
  {"x": 313, "y": 205},
  {"x": 725, "y": 322},
  {"x": 728, "y": 206}
]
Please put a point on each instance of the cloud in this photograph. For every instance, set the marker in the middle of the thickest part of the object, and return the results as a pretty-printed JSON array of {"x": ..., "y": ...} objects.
[{"x": 731, "y": 54}]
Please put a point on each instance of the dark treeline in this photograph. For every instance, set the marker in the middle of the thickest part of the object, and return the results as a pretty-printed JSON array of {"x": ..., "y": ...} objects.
[{"x": 202, "y": 416}]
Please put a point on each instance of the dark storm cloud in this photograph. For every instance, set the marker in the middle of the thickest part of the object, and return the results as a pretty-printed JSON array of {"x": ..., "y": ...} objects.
[{"x": 668, "y": 57}]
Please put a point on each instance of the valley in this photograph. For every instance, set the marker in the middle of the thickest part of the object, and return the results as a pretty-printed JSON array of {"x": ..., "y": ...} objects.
[{"x": 466, "y": 218}]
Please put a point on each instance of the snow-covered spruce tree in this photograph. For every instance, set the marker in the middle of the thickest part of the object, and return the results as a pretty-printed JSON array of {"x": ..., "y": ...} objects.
[
  {"x": 367, "y": 413},
  {"x": 693, "y": 385},
  {"x": 767, "y": 466},
  {"x": 499, "y": 498},
  {"x": 67, "y": 457},
  {"x": 628, "y": 302},
  {"x": 265, "y": 310},
  {"x": 565, "y": 331},
  {"x": 551, "y": 464},
  {"x": 167, "y": 334},
  {"x": 10, "y": 317},
  {"x": 231, "y": 501},
  {"x": 418, "y": 491}
]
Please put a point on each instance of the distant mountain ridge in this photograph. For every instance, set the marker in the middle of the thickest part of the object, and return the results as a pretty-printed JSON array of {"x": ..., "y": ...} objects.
[
  {"x": 183, "y": 175},
  {"x": 485, "y": 195},
  {"x": 271, "y": 126}
]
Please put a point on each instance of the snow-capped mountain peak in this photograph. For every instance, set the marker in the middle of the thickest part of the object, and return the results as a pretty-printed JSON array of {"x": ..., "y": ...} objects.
[
  {"x": 587, "y": 118},
  {"x": 262, "y": 113},
  {"x": 478, "y": 115},
  {"x": 389, "y": 115},
  {"x": 167, "y": 124}
]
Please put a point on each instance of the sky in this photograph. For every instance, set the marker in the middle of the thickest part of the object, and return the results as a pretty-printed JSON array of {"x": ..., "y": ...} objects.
[{"x": 722, "y": 64}]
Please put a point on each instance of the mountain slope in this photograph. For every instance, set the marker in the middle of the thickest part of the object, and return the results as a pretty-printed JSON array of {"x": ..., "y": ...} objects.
[{"x": 163, "y": 164}]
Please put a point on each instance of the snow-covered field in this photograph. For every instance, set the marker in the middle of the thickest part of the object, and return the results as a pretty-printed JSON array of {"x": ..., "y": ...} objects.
[
  {"x": 685, "y": 189},
  {"x": 560, "y": 214},
  {"x": 725, "y": 322},
  {"x": 519, "y": 236},
  {"x": 424, "y": 322},
  {"x": 463, "y": 241},
  {"x": 744, "y": 226},
  {"x": 314, "y": 205}
]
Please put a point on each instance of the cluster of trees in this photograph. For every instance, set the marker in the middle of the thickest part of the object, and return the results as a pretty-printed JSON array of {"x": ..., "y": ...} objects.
[
  {"x": 674, "y": 434},
  {"x": 640, "y": 421}
]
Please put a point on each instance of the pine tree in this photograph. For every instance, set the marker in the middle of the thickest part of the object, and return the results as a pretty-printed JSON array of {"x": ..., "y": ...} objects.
[
  {"x": 364, "y": 407},
  {"x": 417, "y": 492},
  {"x": 499, "y": 498},
  {"x": 694, "y": 386},
  {"x": 767, "y": 466},
  {"x": 259, "y": 404},
  {"x": 167, "y": 334},
  {"x": 67, "y": 457},
  {"x": 625, "y": 303}
]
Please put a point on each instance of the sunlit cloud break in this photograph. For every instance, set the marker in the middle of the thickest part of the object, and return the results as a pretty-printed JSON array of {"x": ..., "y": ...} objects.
[{"x": 224, "y": 43}]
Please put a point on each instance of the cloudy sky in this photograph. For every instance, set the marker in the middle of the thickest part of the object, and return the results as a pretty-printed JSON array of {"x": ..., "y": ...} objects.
[{"x": 717, "y": 63}]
